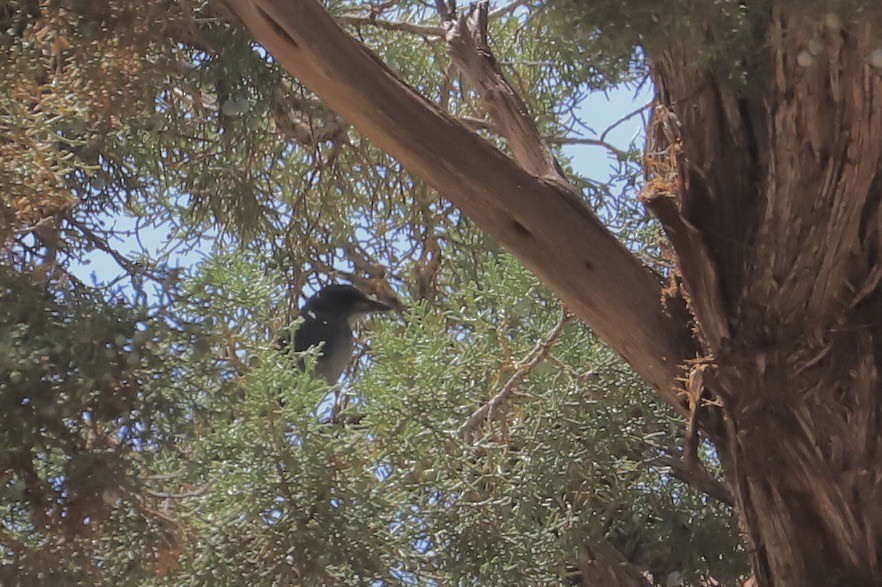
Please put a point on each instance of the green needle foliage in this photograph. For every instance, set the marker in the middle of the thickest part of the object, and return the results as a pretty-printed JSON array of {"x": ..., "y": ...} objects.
[{"x": 154, "y": 434}]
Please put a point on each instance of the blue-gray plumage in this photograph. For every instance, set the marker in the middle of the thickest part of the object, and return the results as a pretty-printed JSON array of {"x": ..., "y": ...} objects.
[{"x": 329, "y": 317}]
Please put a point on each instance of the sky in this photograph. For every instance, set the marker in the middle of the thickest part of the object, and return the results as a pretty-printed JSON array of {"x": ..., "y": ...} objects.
[{"x": 599, "y": 111}]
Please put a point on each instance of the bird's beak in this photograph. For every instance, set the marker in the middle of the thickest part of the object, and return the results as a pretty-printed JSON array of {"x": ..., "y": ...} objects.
[{"x": 364, "y": 308}]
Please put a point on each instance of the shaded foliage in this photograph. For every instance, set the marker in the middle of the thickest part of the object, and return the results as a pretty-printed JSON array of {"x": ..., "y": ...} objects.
[{"x": 86, "y": 399}]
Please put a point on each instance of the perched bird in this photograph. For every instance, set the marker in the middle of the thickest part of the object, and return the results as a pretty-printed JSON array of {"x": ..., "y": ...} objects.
[{"x": 329, "y": 317}]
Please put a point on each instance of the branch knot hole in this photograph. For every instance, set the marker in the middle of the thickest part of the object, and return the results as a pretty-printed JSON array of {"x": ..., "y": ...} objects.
[{"x": 521, "y": 229}]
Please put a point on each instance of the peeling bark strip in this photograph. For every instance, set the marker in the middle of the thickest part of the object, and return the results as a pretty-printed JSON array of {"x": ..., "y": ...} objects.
[
  {"x": 467, "y": 43},
  {"x": 540, "y": 219}
]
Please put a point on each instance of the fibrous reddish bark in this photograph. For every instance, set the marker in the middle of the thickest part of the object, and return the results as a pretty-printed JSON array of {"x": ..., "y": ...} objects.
[{"x": 781, "y": 186}]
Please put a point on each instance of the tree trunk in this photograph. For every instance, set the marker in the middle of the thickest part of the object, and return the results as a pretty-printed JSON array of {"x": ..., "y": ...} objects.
[
  {"x": 602, "y": 564},
  {"x": 806, "y": 464},
  {"x": 777, "y": 201}
]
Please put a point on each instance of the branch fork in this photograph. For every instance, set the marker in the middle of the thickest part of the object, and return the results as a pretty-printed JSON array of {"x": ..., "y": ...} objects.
[{"x": 469, "y": 48}]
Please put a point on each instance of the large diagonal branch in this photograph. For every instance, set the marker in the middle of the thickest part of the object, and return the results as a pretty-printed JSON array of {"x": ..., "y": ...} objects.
[{"x": 539, "y": 219}]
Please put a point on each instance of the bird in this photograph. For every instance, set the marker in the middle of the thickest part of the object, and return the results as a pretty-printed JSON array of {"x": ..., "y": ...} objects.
[{"x": 328, "y": 320}]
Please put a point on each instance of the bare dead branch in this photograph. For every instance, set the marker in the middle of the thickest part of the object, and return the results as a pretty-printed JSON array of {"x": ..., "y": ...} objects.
[
  {"x": 697, "y": 267},
  {"x": 536, "y": 355},
  {"x": 468, "y": 47}
]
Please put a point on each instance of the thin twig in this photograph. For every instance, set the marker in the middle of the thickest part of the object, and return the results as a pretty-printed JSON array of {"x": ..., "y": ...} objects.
[
  {"x": 621, "y": 120},
  {"x": 199, "y": 491},
  {"x": 508, "y": 8},
  {"x": 391, "y": 25},
  {"x": 585, "y": 141},
  {"x": 132, "y": 268},
  {"x": 699, "y": 478}
]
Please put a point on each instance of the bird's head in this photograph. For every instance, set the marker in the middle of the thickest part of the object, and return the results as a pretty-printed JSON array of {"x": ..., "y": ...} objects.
[{"x": 343, "y": 300}]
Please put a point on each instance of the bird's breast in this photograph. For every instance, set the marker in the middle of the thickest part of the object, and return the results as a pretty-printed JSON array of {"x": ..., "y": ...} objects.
[{"x": 336, "y": 355}]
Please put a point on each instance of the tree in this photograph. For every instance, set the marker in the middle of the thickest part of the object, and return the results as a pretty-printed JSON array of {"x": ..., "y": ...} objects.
[
  {"x": 492, "y": 439},
  {"x": 768, "y": 188}
]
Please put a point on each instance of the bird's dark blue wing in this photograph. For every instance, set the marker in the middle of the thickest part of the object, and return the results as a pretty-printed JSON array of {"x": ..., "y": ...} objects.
[
  {"x": 336, "y": 352},
  {"x": 311, "y": 333}
]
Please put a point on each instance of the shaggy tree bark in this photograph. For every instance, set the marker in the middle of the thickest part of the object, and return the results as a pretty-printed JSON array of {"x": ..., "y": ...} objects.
[
  {"x": 777, "y": 200},
  {"x": 771, "y": 200}
]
